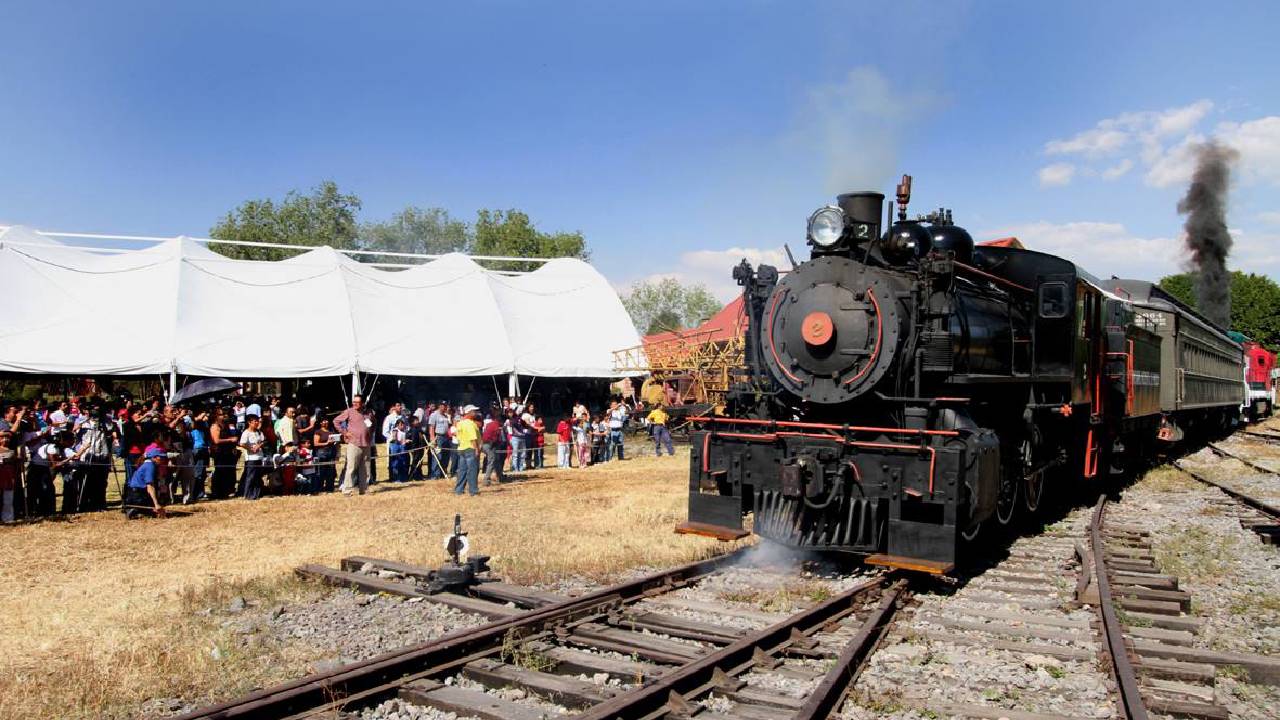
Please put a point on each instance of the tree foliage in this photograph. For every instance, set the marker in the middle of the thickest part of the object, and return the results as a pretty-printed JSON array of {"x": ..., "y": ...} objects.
[
  {"x": 325, "y": 216},
  {"x": 431, "y": 231},
  {"x": 510, "y": 233},
  {"x": 1255, "y": 303},
  {"x": 667, "y": 304}
]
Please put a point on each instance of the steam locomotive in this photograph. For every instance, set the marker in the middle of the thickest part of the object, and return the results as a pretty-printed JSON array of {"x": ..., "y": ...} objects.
[{"x": 905, "y": 387}]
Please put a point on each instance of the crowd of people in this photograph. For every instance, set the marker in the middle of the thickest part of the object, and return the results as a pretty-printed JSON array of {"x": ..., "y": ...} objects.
[{"x": 252, "y": 446}]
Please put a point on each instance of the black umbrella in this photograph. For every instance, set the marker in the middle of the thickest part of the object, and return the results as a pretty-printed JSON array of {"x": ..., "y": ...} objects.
[{"x": 203, "y": 388}]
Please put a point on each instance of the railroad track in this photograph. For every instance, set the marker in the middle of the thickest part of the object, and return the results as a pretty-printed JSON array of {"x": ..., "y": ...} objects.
[
  {"x": 1269, "y": 437},
  {"x": 1158, "y": 637},
  {"x": 1028, "y": 637},
  {"x": 636, "y": 642},
  {"x": 1254, "y": 514}
]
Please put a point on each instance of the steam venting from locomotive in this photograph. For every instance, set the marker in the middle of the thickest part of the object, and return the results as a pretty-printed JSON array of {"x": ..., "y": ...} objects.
[{"x": 1205, "y": 206}]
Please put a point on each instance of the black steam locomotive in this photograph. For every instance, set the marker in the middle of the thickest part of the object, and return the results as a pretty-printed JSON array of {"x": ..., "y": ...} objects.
[{"x": 904, "y": 387}]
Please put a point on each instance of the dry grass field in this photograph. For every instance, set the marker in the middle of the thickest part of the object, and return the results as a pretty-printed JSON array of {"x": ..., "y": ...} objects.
[{"x": 104, "y": 614}]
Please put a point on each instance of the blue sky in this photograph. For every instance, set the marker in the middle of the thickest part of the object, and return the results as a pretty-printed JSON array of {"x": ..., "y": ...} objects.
[{"x": 677, "y": 136}]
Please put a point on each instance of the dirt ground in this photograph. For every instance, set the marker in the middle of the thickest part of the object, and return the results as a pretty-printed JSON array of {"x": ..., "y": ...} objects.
[{"x": 104, "y": 614}]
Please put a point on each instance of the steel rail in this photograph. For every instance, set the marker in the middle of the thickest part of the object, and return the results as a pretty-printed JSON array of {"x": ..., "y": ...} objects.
[
  {"x": 1269, "y": 437},
  {"x": 699, "y": 676},
  {"x": 1256, "y": 504},
  {"x": 1227, "y": 453},
  {"x": 1113, "y": 633},
  {"x": 825, "y": 699},
  {"x": 383, "y": 674}
]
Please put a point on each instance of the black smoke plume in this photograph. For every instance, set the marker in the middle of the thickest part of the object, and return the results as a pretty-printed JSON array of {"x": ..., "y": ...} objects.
[{"x": 1208, "y": 241}]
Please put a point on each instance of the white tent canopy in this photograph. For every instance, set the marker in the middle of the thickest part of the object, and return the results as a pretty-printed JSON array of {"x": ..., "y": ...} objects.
[{"x": 178, "y": 306}]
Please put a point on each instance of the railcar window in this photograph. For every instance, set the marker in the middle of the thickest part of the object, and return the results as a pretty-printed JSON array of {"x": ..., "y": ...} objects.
[{"x": 1054, "y": 300}]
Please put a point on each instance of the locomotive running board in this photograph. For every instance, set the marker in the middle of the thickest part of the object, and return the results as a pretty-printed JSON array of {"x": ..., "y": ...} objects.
[
  {"x": 718, "y": 532},
  {"x": 933, "y": 567}
]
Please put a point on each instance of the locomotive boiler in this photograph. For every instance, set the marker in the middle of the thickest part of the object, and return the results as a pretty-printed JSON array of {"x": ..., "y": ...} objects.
[{"x": 903, "y": 387}]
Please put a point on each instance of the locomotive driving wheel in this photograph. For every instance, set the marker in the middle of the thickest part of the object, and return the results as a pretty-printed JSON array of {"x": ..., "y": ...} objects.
[
  {"x": 1007, "y": 500},
  {"x": 1033, "y": 477}
]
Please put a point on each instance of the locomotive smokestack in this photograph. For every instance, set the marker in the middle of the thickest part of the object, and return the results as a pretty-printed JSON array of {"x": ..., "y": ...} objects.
[
  {"x": 864, "y": 208},
  {"x": 1205, "y": 206}
]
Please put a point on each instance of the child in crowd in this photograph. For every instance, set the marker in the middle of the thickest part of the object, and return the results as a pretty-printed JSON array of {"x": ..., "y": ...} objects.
[
  {"x": 539, "y": 442},
  {"x": 307, "y": 482},
  {"x": 397, "y": 453},
  {"x": 564, "y": 442},
  {"x": 285, "y": 465},
  {"x": 582, "y": 437}
]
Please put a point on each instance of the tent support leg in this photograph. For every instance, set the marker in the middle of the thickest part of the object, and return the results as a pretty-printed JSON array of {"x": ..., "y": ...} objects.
[
  {"x": 355, "y": 383},
  {"x": 173, "y": 382},
  {"x": 513, "y": 385}
]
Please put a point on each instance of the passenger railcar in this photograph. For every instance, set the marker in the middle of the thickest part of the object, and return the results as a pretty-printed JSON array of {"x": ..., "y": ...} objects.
[{"x": 905, "y": 387}]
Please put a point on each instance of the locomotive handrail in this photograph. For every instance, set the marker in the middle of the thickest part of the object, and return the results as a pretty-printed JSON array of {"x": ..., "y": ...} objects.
[
  {"x": 772, "y": 436},
  {"x": 994, "y": 278},
  {"x": 823, "y": 426}
]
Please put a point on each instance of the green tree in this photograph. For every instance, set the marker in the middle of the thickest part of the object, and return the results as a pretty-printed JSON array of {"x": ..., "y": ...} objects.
[
  {"x": 510, "y": 233},
  {"x": 431, "y": 231},
  {"x": 1181, "y": 286},
  {"x": 667, "y": 304},
  {"x": 326, "y": 216},
  {"x": 1255, "y": 303}
]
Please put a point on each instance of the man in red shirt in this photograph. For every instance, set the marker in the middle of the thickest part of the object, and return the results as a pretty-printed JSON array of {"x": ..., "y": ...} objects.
[{"x": 357, "y": 434}]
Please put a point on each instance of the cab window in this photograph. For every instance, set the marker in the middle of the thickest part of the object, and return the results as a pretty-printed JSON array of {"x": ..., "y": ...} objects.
[{"x": 1054, "y": 300}]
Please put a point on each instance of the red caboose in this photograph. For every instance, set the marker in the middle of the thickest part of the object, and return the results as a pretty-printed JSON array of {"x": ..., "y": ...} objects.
[{"x": 1259, "y": 366}]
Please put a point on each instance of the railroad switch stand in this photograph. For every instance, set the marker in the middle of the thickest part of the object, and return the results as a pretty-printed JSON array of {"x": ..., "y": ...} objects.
[{"x": 460, "y": 572}]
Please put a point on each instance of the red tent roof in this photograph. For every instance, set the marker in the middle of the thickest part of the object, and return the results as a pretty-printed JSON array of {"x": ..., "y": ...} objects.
[
  {"x": 1012, "y": 242},
  {"x": 730, "y": 322}
]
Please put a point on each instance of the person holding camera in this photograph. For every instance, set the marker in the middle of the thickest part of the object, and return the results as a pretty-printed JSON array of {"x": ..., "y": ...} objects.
[{"x": 91, "y": 462}]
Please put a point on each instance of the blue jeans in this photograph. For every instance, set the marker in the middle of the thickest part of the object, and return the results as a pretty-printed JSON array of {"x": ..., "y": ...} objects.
[
  {"x": 517, "y": 453},
  {"x": 397, "y": 462},
  {"x": 615, "y": 445},
  {"x": 468, "y": 473},
  {"x": 662, "y": 436},
  {"x": 440, "y": 459},
  {"x": 251, "y": 480}
]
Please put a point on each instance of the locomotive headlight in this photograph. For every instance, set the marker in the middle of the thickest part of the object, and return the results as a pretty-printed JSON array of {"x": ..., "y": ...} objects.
[{"x": 826, "y": 227}]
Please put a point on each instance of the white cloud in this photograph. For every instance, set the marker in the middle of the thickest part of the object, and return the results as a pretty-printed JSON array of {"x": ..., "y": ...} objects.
[
  {"x": 1056, "y": 174},
  {"x": 1099, "y": 141},
  {"x": 1118, "y": 169},
  {"x": 1175, "y": 165},
  {"x": 1164, "y": 143},
  {"x": 1258, "y": 142},
  {"x": 1147, "y": 129},
  {"x": 1102, "y": 248},
  {"x": 714, "y": 268}
]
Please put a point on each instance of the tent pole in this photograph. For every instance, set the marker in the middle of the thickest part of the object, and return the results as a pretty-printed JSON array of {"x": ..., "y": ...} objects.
[
  {"x": 173, "y": 382},
  {"x": 513, "y": 385},
  {"x": 355, "y": 383}
]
